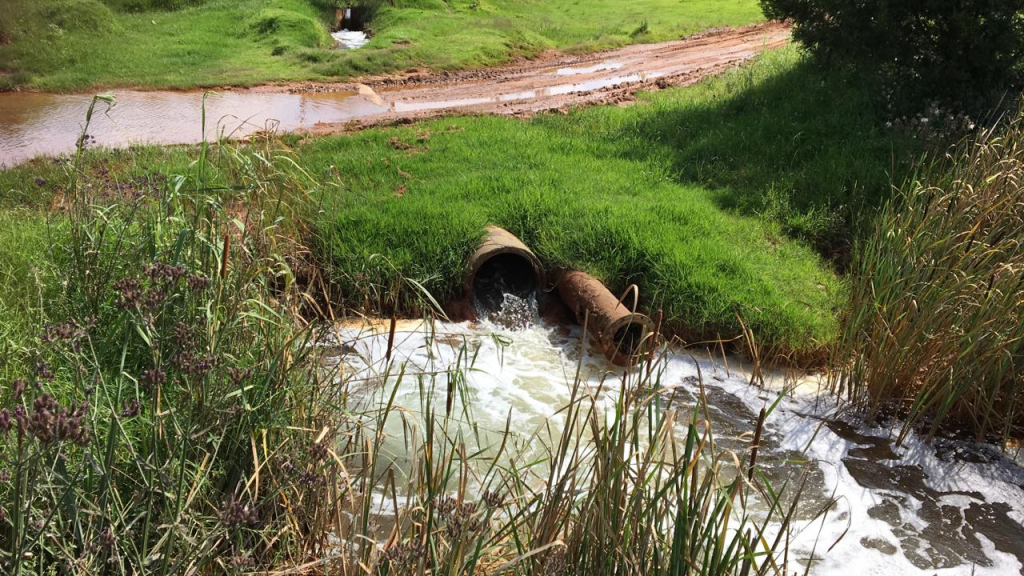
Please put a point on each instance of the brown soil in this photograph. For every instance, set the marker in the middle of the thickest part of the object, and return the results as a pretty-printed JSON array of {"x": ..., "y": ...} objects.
[{"x": 553, "y": 81}]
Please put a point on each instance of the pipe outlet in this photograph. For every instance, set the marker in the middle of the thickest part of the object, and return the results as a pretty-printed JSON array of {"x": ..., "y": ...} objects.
[
  {"x": 620, "y": 331},
  {"x": 501, "y": 265}
]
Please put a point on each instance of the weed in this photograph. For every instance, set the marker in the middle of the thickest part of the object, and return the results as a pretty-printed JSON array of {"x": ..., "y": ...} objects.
[{"x": 641, "y": 30}]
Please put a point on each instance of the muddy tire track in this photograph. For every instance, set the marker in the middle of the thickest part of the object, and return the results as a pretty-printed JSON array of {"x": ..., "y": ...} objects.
[{"x": 556, "y": 81}]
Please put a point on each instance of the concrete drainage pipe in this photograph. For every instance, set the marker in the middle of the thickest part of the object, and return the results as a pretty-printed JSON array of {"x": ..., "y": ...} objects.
[
  {"x": 501, "y": 265},
  {"x": 623, "y": 335}
]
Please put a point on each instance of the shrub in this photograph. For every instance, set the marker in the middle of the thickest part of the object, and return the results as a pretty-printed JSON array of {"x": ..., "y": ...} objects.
[
  {"x": 934, "y": 326},
  {"x": 921, "y": 50}
]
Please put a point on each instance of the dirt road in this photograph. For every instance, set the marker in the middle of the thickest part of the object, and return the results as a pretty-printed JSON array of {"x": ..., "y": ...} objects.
[
  {"x": 34, "y": 124},
  {"x": 557, "y": 82}
]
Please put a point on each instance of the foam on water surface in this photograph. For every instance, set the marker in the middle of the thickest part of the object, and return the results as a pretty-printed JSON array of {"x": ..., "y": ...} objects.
[
  {"x": 350, "y": 39},
  {"x": 917, "y": 509}
]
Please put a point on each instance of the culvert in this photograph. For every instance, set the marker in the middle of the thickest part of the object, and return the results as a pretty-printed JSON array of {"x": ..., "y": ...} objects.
[
  {"x": 501, "y": 265},
  {"x": 352, "y": 18},
  {"x": 620, "y": 331}
]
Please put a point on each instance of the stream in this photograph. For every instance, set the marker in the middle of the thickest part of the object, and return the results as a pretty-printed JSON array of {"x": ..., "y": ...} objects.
[{"x": 923, "y": 508}]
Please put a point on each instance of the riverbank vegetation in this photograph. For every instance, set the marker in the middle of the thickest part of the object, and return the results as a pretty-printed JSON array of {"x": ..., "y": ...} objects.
[
  {"x": 935, "y": 327},
  {"x": 163, "y": 407},
  {"x": 85, "y": 44},
  {"x": 719, "y": 200},
  {"x": 932, "y": 333}
]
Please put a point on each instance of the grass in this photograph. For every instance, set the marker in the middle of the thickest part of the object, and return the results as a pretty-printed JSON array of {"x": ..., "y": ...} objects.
[
  {"x": 25, "y": 281},
  {"x": 711, "y": 198},
  {"x": 171, "y": 414},
  {"x": 472, "y": 33},
  {"x": 576, "y": 206},
  {"x": 81, "y": 44},
  {"x": 934, "y": 330},
  {"x": 219, "y": 43}
]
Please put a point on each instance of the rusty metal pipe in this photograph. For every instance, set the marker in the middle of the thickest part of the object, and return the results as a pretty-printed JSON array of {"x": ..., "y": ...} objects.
[
  {"x": 622, "y": 333},
  {"x": 502, "y": 263}
]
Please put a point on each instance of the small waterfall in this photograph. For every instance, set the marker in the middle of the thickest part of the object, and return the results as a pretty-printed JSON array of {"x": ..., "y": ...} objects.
[
  {"x": 515, "y": 313},
  {"x": 350, "y": 39},
  {"x": 505, "y": 294},
  {"x": 506, "y": 303}
]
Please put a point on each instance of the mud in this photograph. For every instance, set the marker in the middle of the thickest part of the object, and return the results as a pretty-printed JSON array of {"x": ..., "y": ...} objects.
[
  {"x": 557, "y": 82},
  {"x": 49, "y": 124}
]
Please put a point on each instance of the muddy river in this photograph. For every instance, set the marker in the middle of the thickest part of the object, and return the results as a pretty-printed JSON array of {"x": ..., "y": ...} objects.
[
  {"x": 940, "y": 508},
  {"x": 33, "y": 124}
]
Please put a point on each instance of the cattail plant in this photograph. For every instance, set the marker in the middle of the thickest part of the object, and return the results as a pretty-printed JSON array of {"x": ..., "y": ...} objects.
[{"x": 934, "y": 330}]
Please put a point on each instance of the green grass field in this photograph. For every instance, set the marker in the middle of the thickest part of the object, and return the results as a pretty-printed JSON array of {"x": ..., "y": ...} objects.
[
  {"x": 82, "y": 44},
  {"x": 469, "y": 33},
  {"x": 718, "y": 200}
]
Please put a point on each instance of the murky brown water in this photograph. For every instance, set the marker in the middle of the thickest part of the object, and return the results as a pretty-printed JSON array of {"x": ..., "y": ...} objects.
[{"x": 32, "y": 123}]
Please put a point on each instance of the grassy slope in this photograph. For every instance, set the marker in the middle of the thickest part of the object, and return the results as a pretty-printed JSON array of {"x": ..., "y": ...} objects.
[
  {"x": 209, "y": 45},
  {"x": 456, "y": 35},
  {"x": 213, "y": 44},
  {"x": 695, "y": 194}
]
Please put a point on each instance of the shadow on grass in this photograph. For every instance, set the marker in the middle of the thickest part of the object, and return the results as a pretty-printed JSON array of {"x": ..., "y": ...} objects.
[
  {"x": 777, "y": 139},
  {"x": 690, "y": 195}
]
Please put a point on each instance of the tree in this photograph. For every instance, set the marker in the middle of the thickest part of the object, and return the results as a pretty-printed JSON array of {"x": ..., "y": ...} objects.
[{"x": 948, "y": 51}]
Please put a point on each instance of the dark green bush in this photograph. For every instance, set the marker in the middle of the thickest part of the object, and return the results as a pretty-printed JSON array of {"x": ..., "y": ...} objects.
[{"x": 917, "y": 50}]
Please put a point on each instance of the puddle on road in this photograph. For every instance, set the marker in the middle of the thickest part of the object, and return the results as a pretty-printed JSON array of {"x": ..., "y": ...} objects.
[
  {"x": 35, "y": 123},
  {"x": 548, "y": 91},
  {"x": 917, "y": 509}
]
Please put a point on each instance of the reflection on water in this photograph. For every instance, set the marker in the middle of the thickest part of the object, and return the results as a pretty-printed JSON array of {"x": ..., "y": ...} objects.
[
  {"x": 917, "y": 509},
  {"x": 33, "y": 124},
  {"x": 37, "y": 123}
]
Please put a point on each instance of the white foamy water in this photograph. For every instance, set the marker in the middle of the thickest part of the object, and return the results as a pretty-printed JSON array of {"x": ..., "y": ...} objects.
[
  {"x": 350, "y": 39},
  {"x": 942, "y": 508}
]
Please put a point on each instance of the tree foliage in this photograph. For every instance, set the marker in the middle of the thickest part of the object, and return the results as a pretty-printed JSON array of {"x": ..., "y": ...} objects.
[{"x": 950, "y": 51}]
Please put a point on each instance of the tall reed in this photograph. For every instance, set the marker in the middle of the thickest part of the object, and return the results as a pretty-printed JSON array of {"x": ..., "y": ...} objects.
[
  {"x": 140, "y": 431},
  {"x": 176, "y": 415},
  {"x": 934, "y": 327}
]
